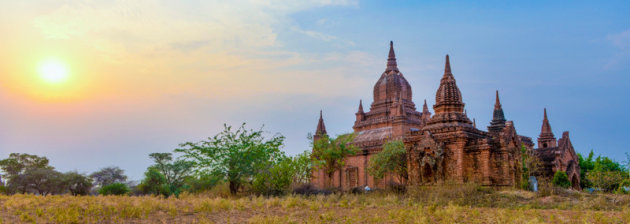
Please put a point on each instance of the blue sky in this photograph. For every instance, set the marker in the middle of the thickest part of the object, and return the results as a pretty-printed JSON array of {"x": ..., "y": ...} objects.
[{"x": 154, "y": 74}]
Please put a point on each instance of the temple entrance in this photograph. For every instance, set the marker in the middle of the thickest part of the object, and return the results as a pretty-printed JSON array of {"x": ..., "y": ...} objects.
[
  {"x": 575, "y": 184},
  {"x": 427, "y": 173}
]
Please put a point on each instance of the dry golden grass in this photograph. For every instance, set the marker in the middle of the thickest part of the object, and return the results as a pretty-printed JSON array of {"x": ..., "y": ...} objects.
[{"x": 472, "y": 205}]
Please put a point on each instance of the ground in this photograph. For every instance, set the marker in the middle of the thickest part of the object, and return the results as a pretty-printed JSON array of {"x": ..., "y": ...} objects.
[{"x": 446, "y": 205}]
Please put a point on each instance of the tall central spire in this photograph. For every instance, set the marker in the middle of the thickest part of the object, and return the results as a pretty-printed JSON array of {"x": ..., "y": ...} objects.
[
  {"x": 448, "y": 97},
  {"x": 391, "y": 60}
]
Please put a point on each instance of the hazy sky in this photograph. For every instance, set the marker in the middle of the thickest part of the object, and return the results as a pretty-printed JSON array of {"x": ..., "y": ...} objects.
[{"x": 147, "y": 75}]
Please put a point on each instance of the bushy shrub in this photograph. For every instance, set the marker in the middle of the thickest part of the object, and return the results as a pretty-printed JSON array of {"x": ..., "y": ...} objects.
[
  {"x": 561, "y": 179},
  {"x": 114, "y": 189},
  {"x": 276, "y": 180}
]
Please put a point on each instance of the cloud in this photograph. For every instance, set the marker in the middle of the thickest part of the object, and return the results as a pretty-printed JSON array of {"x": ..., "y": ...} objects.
[{"x": 620, "y": 40}]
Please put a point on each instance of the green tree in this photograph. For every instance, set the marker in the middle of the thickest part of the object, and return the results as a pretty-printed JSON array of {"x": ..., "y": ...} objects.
[
  {"x": 392, "y": 159},
  {"x": 155, "y": 183},
  {"x": 114, "y": 189},
  {"x": 235, "y": 156},
  {"x": 329, "y": 154},
  {"x": 605, "y": 180},
  {"x": 77, "y": 184},
  {"x": 276, "y": 179},
  {"x": 15, "y": 167},
  {"x": 108, "y": 176},
  {"x": 586, "y": 164},
  {"x": 561, "y": 179},
  {"x": 174, "y": 172},
  {"x": 303, "y": 166}
]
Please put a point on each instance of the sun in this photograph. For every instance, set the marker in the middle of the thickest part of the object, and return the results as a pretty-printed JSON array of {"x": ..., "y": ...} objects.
[{"x": 53, "y": 72}]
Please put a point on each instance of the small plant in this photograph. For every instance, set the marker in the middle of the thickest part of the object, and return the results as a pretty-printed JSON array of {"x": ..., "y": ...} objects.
[
  {"x": 114, "y": 189},
  {"x": 561, "y": 179}
]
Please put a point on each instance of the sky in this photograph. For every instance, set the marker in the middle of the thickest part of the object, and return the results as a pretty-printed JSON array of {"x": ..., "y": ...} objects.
[{"x": 144, "y": 76}]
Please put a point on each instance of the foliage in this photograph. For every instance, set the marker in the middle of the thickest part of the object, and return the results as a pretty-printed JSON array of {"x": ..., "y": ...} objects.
[
  {"x": 19, "y": 168},
  {"x": 77, "y": 184},
  {"x": 303, "y": 166},
  {"x": 392, "y": 159},
  {"x": 202, "y": 182},
  {"x": 114, "y": 189},
  {"x": 154, "y": 182},
  {"x": 605, "y": 180},
  {"x": 329, "y": 153},
  {"x": 603, "y": 170},
  {"x": 561, "y": 179},
  {"x": 166, "y": 176},
  {"x": 235, "y": 156},
  {"x": 276, "y": 179},
  {"x": 108, "y": 176}
]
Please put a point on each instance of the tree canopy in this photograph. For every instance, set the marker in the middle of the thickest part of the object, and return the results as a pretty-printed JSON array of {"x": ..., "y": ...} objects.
[
  {"x": 329, "y": 153},
  {"x": 234, "y": 155}
]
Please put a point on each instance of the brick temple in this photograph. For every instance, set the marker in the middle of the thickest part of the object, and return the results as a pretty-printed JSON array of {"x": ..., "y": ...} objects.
[{"x": 444, "y": 146}]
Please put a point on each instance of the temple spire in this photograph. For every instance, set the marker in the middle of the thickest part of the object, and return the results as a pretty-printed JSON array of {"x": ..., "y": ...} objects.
[
  {"x": 474, "y": 123},
  {"x": 321, "y": 128},
  {"x": 546, "y": 137},
  {"x": 448, "y": 98},
  {"x": 546, "y": 127},
  {"x": 497, "y": 103},
  {"x": 425, "y": 108},
  {"x": 360, "y": 106},
  {"x": 498, "y": 118},
  {"x": 391, "y": 59},
  {"x": 447, "y": 66}
]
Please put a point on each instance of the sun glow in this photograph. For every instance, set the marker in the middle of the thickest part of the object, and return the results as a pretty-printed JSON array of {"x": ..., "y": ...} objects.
[{"x": 53, "y": 72}]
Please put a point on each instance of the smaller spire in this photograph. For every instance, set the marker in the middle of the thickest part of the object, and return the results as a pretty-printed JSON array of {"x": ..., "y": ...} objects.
[
  {"x": 391, "y": 60},
  {"x": 425, "y": 108},
  {"x": 546, "y": 127},
  {"x": 321, "y": 128},
  {"x": 360, "y": 106},
  {"x": 474, "y": 123}
]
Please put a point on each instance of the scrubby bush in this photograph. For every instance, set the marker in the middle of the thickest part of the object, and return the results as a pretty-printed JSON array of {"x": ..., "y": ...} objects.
[
  {"x": 561, "y": 179},
  {"x": 114, "y": 189}
]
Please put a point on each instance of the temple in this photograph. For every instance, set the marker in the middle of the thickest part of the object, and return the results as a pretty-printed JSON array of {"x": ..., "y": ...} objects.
[{"x": 444, "y": 146}]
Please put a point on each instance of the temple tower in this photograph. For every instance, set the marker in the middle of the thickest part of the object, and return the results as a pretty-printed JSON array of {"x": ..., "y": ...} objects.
[
  {"x": 546, "y": 138},
  {"x": 321, "y": 128},
  {"x": 498, "y": 119}
]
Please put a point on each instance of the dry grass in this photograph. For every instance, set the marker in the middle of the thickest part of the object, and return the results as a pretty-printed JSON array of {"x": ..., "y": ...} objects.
[{"x": 463, "y": 204}]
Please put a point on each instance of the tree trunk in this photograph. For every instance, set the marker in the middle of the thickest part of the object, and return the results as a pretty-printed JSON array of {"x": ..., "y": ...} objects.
[{"x": 233, "y": 187}]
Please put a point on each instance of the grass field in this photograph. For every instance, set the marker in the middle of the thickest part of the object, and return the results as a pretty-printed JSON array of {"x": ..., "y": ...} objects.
[{"x": 455, "y": 205}]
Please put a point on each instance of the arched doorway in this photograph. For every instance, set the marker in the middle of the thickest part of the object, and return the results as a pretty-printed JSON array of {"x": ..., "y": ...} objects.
[
  {"x": 575, "y": 183},
  {"x": 427, "y": 173}
]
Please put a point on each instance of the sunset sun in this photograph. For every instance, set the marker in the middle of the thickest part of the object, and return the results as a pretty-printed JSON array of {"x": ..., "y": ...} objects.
[{"x": 53, "y": 72}]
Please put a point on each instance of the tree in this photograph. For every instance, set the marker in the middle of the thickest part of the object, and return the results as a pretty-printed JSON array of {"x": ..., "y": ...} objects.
[
  {"x": 114, "y": 189},
  {"x": 276, "y": 179},
  {"x": 561, "y": 179},
  {"x": 235, "y": 156},
  {"x": 392, "y": 159},
  {"x": 155, "y": 183},
  {"x": 174, "y": 172},
  {"x": 329, "y": 153},
  {"x": 303, "y": 168},
  {"x": 108, "y": 175},
  {"x": 601, "y": 172},
  {"x": 77, "y": 184},
  {"x": 14, "y": 168},
  {"x": 605, "y": 180},
  {"x": 30, "y": 173}
]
